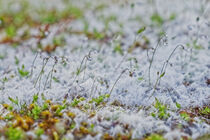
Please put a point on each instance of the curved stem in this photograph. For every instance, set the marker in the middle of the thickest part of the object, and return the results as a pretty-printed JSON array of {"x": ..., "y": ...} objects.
[
  {"x": 117, "y": 80},
  {"x": 151, "y": 60}
]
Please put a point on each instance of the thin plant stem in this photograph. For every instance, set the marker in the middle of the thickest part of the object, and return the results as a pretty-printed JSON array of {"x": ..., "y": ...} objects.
[
  {"x": 32, "y": 67},
  {"x": 151, "y": 60},
  {"x": 51, "y": 73},
  {"x": 164, "y": 68},
  {"x": 42, "y": 70},
  {"x": 117, "y": 80},
  {"x": 86, "y": 57}
]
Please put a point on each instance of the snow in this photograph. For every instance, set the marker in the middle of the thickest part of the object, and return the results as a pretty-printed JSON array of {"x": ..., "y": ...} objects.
[{"x": 188, "y": 65}]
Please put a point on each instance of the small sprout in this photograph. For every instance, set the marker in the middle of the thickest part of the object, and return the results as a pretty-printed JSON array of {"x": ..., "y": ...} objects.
[
  {"x": 100, "y": 99},
  {"x": 118, "y": 49},
  {"x": 157, "y": 19},
  {"x": 45, "y": 106},
  {"x": 56, "y": 79},
  {"x": 15, "y": 101},
  {"x": 91, "y": 129},
  {"x": 5, "y": 79},
  {"x": 141, "y": 30},
  {"x": 23, "y": 72},
  {"x": 162, "y": 74},
  {"x": 36, "y": 112},
  {"x": 17, "y": 61},
  {"x": 81, "y": 98},
  {"x": 197, "y": 46},
  {"x": 23, "y": 108},
  {"x": 9, "y": 116},
  {"x": 87, "y": 106},
  {"x": 75, "y": 102},
  {"x": 10, "y": 108},
  {"x": 205, "y": 111},
  {"x": 59, "y": 109},
  {"x": 140, "y": 78},
  {"x": 78, "y": 71},
  {"x": 73, "y": 125},
  {"x": 185, "y": 116},
  {"x": 35, "y": 98},
  {"x": 153, "y": 114},
  {"x": 107, "y": 95},
  {"x": 39, "y": 132},
  {"x": 161, "y": 110},
  {"x": 98, "y": 35},
  {"x": 178, "y": 105}
]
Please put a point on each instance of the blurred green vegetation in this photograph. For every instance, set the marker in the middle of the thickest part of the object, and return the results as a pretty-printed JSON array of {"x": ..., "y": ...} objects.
[{"x": 27, "y": 15}]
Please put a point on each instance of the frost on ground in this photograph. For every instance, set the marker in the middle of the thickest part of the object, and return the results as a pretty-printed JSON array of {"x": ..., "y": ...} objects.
[{"x": 105, "y": 69}]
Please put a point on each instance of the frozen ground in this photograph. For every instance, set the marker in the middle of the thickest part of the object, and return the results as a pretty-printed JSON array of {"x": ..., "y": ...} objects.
[{"x": 169, "y": 61}]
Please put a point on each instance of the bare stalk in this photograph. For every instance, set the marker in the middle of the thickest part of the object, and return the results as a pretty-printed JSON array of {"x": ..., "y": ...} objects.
[
  {"x": 86, "y": 57},
  {"x": 42, "y": 71},
  {"x": 152, "y": 59},
  {"x": 164, "y": 68},
  {"x": 117, "y": 80},
  {"x": 50, "y": 74},
  {"x": 167, "y": 61},
  {"x": 32, "y": 67}
]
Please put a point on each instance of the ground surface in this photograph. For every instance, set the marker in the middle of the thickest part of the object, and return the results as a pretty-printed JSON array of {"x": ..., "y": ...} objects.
[{"x": 106, "y": 69}]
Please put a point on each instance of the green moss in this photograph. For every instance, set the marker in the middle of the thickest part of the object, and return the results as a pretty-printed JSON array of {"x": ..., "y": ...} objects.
[
  {"x": 36, "y": 112},
  {"x": 155, "y": 137},
  {"x": 39, "y": 132},
  {"x": 14, "y": 134}
]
